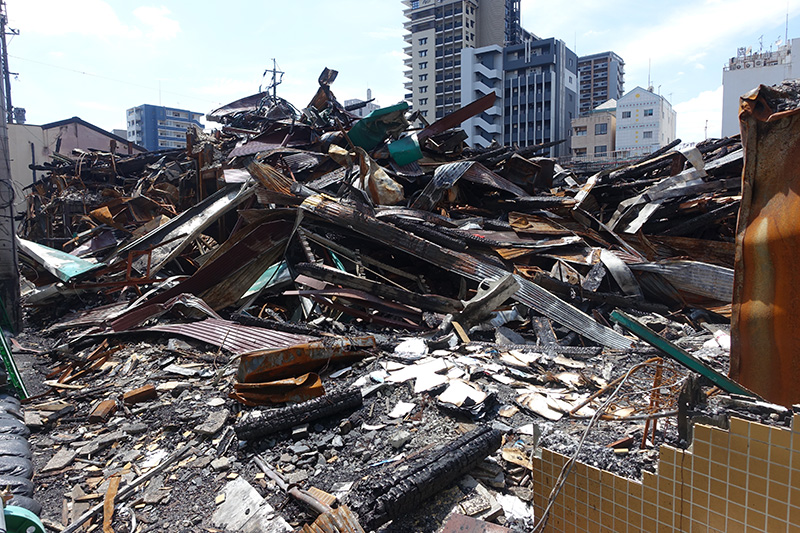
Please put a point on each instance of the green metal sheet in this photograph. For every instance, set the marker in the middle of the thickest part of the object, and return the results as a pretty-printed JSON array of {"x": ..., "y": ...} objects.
[
  {"x": 680, "y": 355},
  {"x": 62, "y": 265}
]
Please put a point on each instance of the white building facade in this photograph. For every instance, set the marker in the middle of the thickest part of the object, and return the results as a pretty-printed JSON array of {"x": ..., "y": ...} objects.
[
  {"x": 746, "y": 72},
  {"x": 481, "y": 74},
  {"x": 645, "y": 122}
]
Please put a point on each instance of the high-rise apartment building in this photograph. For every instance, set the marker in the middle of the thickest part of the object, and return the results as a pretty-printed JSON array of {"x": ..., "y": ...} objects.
[
  {"x": 602, "y": 78},
  {"x": 438, "y": 30},
  {"x": 747, "y": 71},
  {"x": 159, "y": 127},
  {"x": 536, "y": 83}
]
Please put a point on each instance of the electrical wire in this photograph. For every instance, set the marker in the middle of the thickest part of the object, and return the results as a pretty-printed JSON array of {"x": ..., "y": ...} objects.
[
  {"x": 112, "y": 79},
  {"x": 567, "y": 468}
]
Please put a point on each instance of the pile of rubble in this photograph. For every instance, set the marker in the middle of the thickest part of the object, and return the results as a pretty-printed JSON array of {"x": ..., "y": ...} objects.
[{"x": 310, "y": 318}]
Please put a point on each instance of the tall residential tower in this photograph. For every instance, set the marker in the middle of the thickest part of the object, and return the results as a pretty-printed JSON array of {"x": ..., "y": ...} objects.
[
  {"x": 438, "y": 31},
  {"x": 602, "y": 78}
]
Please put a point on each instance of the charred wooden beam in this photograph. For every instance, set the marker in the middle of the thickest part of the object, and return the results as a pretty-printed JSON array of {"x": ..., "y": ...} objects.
[
  {"x": 391, "y": 493},
  {"x": 263, "y": 423}
]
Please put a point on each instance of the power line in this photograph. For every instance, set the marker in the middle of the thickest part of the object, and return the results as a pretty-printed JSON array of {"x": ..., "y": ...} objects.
[{"x": 113, "y": 79}]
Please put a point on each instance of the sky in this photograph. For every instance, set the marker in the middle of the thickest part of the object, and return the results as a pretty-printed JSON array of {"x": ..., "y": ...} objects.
[{"x": 96, "y": 58}]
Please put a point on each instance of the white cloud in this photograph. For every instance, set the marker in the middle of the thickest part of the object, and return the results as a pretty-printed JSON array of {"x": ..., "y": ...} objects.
[
  {"x": 694, "y": 114},
  {"x": 91, "y": 18},
  {"x": 56, "y": 17},
  {"x": 157, "y": 19}
]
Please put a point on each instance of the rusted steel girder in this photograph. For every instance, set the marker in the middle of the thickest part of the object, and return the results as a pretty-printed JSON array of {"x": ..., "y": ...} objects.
[{"x": 765, "y": 348}]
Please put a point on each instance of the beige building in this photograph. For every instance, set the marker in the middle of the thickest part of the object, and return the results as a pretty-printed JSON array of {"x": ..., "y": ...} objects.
[
  {"x": 34, "y": 145},
  {"x": 26, "y": 146},
  {"x": 595, "y": 134}
]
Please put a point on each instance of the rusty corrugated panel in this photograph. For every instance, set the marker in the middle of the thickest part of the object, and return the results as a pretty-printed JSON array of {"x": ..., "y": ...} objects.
[
  {"x": 289, "y": 390},
  {"x": 90, "y": 317},
  {"x": 168, "y": 240},
  {"x": 339, "y": 520},
  {"x": 765, "y": 348},
  {"x": 140, "y": 314},
  {"x": 233, "y": 337},
  {"x": 290, "y": 360},
  {"x": 468, "y": 266}
]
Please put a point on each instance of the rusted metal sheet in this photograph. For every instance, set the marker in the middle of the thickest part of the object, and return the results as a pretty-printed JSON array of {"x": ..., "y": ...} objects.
[
  {"x": 140, "y": 314},
  {"x": 233, "y": 337},
  {"x": 168, "y": 240},
  {"x": 445, "y": 176},
  {"x": 468, "y": 266},
  {"x": 339, "y": 520},
  {"x": 291, "y": 390},
  {"x": 267, "y": 365},
  {"x": 765, "y": 327},
  {"x": 458, "y": 523}
]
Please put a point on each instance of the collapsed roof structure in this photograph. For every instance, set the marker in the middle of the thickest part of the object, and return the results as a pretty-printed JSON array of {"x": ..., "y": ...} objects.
[{"x": 385, "y": 319}]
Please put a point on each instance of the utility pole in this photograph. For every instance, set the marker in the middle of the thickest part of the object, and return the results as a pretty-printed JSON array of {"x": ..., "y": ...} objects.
[
  {"x": 275, "y": 79},
  {"x": 9, "y": 275},
  {"x": 6, "y": 71}
]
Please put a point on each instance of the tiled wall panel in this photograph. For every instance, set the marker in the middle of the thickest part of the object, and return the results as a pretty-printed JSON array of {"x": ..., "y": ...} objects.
[{"x": 745, "y": 479}]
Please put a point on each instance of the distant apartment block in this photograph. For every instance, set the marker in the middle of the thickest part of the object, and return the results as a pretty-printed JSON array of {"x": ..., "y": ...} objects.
[
  {"x": 645, "y": 122},
  {"x": 159, "y": 127},
  {"x": 537, "y": 93},
  {"x": 594, "y": 134},
  {"x": 602, "y": 78},
  {"x": 747, "y": 71},
  {"x": 438, "y": 31}
]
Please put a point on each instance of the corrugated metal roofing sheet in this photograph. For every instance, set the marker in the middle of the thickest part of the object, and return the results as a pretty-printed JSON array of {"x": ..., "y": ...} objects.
[{"x": 233, "y": 337}]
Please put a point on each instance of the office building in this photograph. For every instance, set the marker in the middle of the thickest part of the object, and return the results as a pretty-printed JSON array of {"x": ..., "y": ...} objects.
[
  {"x": 438, "y": 31},
  {"x": 747, "y": 71},
  {"x": 159, "y": 127},
  {"x": 537, "y": 93},
  {"x": 645, "y": 122},
  {"x": 594, "y": 134},
  {"x": 602, "y": 78}
]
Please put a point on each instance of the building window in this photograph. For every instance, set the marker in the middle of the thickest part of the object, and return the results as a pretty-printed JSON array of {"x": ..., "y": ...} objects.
[
  {"x": 423, "y": 113},
  {"x": 626, "y": 114},
  {"x": 423, "y": 53},
  {"x": 647, "y": 135},
  {"x": 600, "y": 149},
  {"x": 423, "y": 41},
  {"x": 580, "y": 151},
  {"x": 423, "y": 101},
  {"x": 601, "y": 129},
  {"x": 423, "y": 65},
  {"x": 414, "y": 4},
  {"x": 423, "y": 89},
  {"x": 423, "y": 77},
  {"x": 580, "y": 131},
  {"x": 648, "y": 112}
]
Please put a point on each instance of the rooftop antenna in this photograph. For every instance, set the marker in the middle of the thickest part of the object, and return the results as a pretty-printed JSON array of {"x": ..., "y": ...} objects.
[
  {"x": 649, "y": 63},
  {"x": 786, "y": 36}
]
